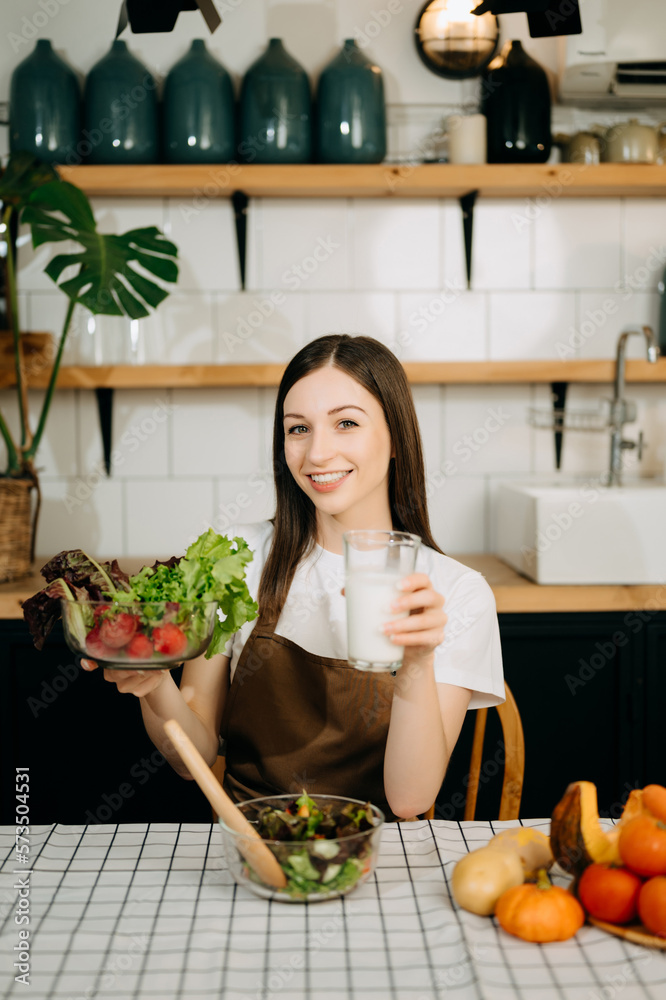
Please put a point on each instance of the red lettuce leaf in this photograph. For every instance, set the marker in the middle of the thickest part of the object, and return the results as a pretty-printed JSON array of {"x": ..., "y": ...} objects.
[
  {"x": 42, "y": 611},
  {"x": 75, "y": 575},
  {"x": 77, "y": 567}
]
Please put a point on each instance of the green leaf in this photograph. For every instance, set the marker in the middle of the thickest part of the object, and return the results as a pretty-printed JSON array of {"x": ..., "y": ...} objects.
[
  {"x": 68, "y": 199},
  {"x": 22, "y": 175},
  {"x": 106, "y": 281}
]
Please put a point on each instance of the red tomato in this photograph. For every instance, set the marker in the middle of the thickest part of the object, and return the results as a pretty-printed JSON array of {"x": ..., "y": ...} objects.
[
  {"x": 609, "y": 893},
  {"x": 652, "y": 905},
  {"x": 117, "y": 631},
  {"x": 169, "y": 640},
  {"x": 140, "y": 647},
  {"x": 96, "y": 647},
  {"x": 642, "y": 845}
]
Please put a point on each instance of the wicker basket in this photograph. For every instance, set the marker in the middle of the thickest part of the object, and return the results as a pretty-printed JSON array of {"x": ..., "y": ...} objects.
[{"x": 17, "y": 526}]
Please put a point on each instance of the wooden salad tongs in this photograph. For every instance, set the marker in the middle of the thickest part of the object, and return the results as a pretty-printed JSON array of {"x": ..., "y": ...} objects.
[{"x": 250, "y": 844}]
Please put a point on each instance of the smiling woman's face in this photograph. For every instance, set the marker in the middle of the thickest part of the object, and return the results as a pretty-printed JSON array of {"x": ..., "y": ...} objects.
[{"x": 337, "y": 447}]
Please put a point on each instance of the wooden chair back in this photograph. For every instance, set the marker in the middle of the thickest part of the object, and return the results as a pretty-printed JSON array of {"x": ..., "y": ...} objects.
[{"x": 514, "y": 760}]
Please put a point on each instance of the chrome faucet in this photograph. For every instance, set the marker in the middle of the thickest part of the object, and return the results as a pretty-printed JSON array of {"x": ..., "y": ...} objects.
[{"x": 622, "y": 411}]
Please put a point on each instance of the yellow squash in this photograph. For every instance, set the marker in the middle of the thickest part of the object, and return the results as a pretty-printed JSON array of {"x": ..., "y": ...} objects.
[{"x": 480, "y": 878}]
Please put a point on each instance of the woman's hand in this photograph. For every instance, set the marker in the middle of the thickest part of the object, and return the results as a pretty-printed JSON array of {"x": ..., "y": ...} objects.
[
  {"x": 423, "y": 630},
  {"x": 136, "y": 682}
]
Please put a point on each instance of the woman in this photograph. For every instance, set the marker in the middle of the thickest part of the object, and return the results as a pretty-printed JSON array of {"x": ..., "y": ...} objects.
[{"x": 291, "y": 711}]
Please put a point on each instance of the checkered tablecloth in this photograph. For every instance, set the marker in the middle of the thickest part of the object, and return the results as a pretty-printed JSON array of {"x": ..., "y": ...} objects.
[{"x": 150, "y": 911}]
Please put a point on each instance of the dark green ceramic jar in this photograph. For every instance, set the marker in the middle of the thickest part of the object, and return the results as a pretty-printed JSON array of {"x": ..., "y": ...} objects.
[
  {"x": 45, "y": 106},
  {"x": 198, "y": 110},
  {"x": 275, "y": 110},
  {"x": 351, "y": 110},
  {"x": 120, "y": 110}
]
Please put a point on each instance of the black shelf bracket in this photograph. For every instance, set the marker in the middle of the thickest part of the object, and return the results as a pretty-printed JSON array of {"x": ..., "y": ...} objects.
[
  {"x": 467, "y": 202},
  {"x": 240, "y": 201},
  {"x": 105, "y": 412},
  {"x": 559, "y": 391}
]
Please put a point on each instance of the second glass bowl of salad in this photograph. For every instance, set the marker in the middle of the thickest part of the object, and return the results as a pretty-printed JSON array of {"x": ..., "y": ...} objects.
[
  {"x": 325, "y": 844},
  {"x": 145, "y": 634}
]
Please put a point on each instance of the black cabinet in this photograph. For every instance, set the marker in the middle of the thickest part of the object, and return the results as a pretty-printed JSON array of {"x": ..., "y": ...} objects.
[
  {"x": 591, "y": 689},
  {"x": 89, "y": 757}
]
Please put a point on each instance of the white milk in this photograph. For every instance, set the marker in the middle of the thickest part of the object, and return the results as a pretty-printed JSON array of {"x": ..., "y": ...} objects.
[{"x": 369, "y": 596}]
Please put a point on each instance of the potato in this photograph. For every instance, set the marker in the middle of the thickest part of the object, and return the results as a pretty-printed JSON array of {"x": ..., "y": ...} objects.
[{"x": 480, "y": 878}]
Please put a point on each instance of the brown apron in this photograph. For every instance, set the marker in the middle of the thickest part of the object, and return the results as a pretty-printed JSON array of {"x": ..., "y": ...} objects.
[{"x": 297, "y": 721}]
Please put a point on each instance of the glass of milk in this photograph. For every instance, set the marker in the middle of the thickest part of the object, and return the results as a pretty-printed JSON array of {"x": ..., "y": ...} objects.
[{"x": 375, "y": 563}]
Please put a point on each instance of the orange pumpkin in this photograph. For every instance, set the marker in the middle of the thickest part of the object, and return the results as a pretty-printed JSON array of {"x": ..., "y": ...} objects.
[
  {"x": 539, "y": 911},
  {"x": 577, "y": 838}
]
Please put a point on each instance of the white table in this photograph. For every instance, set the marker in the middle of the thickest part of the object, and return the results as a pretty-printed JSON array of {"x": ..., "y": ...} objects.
[{"x": 150, "y": 911}]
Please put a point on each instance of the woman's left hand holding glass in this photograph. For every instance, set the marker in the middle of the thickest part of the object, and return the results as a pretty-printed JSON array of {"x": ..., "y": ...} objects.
[{"x": 423, "y": 630}]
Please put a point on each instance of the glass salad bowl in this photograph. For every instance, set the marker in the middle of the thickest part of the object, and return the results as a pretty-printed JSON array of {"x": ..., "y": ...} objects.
[
  {"x": 322, "y": 867},
  {"x": 145, "y": 635}
]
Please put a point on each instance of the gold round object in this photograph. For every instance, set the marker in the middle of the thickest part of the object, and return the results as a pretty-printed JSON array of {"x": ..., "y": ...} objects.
[{"x": 452, "y": 41}]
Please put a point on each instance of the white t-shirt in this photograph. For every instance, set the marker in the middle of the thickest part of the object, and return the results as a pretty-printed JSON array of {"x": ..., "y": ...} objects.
[{"x": 314, "y": 615}]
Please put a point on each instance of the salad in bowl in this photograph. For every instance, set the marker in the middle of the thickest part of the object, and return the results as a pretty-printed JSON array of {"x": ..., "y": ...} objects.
[
  {"x": 325, "y": 844},
  {"x": 164, "y": 614}
]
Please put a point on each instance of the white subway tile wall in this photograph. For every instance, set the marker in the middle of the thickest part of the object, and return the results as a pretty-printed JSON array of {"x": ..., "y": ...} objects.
[
  {"x": 530, "y": 324},
  {"x": 556, "y": 281},
  {"x": 551, "y": 277}
]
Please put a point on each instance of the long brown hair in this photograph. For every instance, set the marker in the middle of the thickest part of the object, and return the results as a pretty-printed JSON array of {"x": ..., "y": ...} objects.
[{"x": 378, "y": 370}]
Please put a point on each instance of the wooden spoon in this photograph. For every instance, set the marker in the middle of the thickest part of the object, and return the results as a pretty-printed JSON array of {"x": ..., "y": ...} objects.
[{"x": 250, "y": 844}]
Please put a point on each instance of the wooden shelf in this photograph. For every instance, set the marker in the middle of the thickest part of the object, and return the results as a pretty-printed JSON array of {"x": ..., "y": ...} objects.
[
  {"x": 425, "y": 180},
  {"x": 418, "y": 373}
]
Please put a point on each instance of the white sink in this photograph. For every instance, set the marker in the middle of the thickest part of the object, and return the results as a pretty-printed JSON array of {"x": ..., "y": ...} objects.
[{"x": 583, "y": 533}]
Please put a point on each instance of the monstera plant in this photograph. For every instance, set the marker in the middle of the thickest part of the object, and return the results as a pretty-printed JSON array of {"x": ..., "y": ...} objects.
[{"x": 107, "y": 274}]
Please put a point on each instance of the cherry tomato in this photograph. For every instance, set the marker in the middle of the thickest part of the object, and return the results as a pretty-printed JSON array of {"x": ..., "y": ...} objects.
[{"x": 609, "y": 893}]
